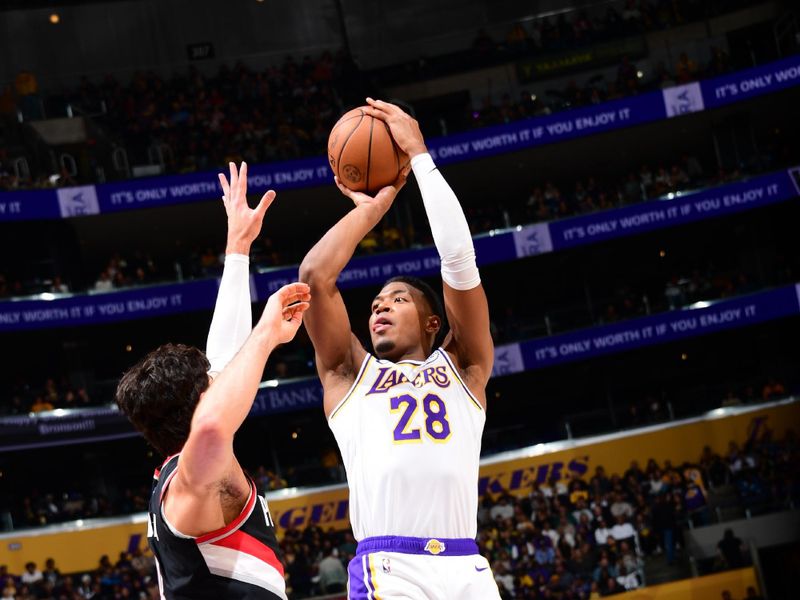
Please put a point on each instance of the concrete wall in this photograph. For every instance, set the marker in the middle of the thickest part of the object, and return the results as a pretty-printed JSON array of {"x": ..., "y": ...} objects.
[{"x": 766, "y": 530}]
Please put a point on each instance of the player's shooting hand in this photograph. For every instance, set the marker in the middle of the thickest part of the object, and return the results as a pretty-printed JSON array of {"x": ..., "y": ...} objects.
[
  {"x": 244, "y": 223},
  {"x": 284, "y": 311},
  {"x": 405, "y": 129},
  {"x": 382, "y": 201}
]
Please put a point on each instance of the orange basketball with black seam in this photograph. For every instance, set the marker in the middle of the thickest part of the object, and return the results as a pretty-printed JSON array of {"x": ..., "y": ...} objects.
[{"x": 362, "y": 152}]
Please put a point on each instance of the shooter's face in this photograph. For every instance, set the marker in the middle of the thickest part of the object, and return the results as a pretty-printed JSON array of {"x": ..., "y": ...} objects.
[{"x": 397, "y": 321}]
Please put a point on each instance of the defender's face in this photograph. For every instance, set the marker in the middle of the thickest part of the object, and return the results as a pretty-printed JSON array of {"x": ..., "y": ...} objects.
[{"x": 396, "y": 322}]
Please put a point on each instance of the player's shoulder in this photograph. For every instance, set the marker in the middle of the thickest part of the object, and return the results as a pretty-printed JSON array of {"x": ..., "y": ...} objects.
[
  {"x": 338, "y": 386},
  {"x": 472, "y": 378}
]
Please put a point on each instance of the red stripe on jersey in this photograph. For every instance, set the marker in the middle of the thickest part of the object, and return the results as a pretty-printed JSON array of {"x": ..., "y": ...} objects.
[
  {"x": 237, "y": 522},
  {"x": 169, "y": 458},
  {"x": 157, "y": 472},
  {"x": 166, "y": 485},
  {"x": 246, "y": 543}
]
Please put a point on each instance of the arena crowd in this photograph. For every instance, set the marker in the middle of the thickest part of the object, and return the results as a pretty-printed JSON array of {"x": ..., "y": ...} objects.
[{"x": 579, "y": 537}]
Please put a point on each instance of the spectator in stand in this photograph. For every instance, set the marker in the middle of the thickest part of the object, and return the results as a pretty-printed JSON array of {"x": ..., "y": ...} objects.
[
  {"x": 31, "y": 574},
  {"x": 332, "y": 574},
  {"x": 631, "y": 15},
  {"x": 731, "y": 550},
  {"x": 600, "y": 482},
  {"x": 627, "y": 579},
  {"x": 623, "y": 530},
  {"x": 621, "y": 507},
  {"x": 685, "y": 69},
  {"x": 267, "y": 481},
  {"x": 604, "y": 571},
  {"x": 517, "y": 38},
  {"x": 773, "y": 389},
  {"x": 738, "y": 460},
  {"x": 504, "y": 579},
  {"x": 502, "y": 510},
  {"x": 104, "y": 282},
  {"x": 5, "y": 576},
  {"x": 695, "y": 502},
  {"x": 665, "y": 525},
  {"x": 86, "y": 589},
  {"x": 370, "y": 244},
  {"x": 51, "y": 573},
  {"x": 58, "y": 286},
  {"x": 41, "y": 405},
  {"x": 602, "y": 532},
  {"x": 628, "y": 75},
  {"x": 581, "y": 509},
  {"x": 752, "y": 594},
  {"x": 719, "y": 63},
  {"x": 662, "y": 181}
]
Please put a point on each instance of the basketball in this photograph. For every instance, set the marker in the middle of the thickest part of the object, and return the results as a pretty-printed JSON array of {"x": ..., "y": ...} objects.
[{"x": 362, "y": 152}]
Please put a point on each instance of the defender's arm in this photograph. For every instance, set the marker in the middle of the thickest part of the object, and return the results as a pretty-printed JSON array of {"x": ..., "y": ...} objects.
[
  {"x": 233, "y": 319},
  {"x": 207, "y": 467}
]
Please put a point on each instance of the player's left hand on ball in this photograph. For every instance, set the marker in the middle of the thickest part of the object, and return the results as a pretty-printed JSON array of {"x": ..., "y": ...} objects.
[
  {"x": 244, "y": 223},
  {"x": 383, "y": 199},
  {"x": 285, "y": 308},
  {"x": 405, "y": 129}
]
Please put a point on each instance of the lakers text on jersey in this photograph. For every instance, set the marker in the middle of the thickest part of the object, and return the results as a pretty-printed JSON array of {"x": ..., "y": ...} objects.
[{"x": 410, "y": 437}]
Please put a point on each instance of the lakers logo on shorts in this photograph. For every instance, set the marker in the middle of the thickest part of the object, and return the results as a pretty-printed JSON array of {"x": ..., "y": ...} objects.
[{"x": 434, "y": 547}]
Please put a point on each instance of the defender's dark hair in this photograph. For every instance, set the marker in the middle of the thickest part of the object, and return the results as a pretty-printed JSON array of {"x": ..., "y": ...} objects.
[
  {"x": 160, "y": 393},
  {"x": 433, "y": 299}
]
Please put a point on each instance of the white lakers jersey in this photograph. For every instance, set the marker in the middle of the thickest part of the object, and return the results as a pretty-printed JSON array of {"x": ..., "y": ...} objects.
[{"x": 410, "y": 436}]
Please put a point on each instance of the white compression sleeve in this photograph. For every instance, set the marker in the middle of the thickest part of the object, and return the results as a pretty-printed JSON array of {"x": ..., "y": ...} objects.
[
  {"x": 448, "y": 225},
  {"x": 233, "y": 318}
]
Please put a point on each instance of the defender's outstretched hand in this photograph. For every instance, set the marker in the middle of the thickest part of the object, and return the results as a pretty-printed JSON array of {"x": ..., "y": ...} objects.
[
  {"x": 284, "y": 311},
  {"x": 405, "y": 129},
  {"x": 244, "y": 223}
]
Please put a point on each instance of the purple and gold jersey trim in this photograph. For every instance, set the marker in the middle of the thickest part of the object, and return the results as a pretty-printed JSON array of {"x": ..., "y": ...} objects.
[
  {"x": 457, "y": 375},
  {"x": 353, "y": 387},
  {"x": 414, "y": 545}
]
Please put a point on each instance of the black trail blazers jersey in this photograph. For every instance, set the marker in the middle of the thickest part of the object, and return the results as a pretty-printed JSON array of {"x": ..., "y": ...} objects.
[{"x": 238, "y": 562}]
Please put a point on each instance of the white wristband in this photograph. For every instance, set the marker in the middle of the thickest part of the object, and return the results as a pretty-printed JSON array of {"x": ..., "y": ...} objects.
[{"x": 233, "y": 318}]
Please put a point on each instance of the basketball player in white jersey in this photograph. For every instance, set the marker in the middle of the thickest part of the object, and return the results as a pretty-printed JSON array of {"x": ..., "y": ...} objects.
[
  {"x": 409, "y": 417},
  {"x": 211, "y": 534}
]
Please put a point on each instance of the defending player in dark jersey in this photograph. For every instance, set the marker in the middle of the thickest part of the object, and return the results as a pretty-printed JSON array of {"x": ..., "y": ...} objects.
[{"x": 210, "y": 532}]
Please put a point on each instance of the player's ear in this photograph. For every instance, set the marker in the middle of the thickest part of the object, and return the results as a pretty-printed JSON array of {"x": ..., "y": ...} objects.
[{"x": 433, "y": 324}]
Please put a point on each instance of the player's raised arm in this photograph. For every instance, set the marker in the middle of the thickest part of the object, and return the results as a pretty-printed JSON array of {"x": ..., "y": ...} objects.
[
  {"x": 207, "y": 463},
  {"x": 233, "y": 320},
  {"x": 470, "y": 340},
  {"x": 338, "y": 352}
]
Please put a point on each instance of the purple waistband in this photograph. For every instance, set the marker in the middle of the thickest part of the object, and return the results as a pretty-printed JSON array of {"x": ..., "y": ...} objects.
[{"x": 413, "y": 545}]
